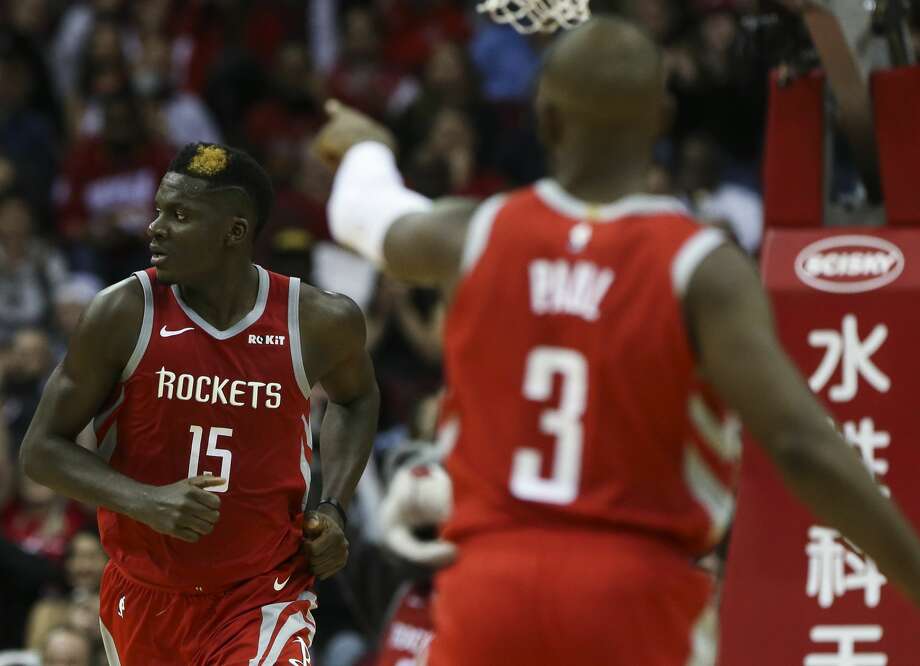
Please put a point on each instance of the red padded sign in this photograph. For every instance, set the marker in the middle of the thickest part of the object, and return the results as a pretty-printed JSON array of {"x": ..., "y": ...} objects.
[
  {"x": 794, "y": 155},
  {"x": 896, "y": 97},
  {"x": 846, "y": 304}
]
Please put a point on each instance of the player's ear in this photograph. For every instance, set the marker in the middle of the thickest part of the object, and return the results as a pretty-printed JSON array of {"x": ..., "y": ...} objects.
[
  {"x": 239, "y": 229},
  {"x": 664, "y": 113},
  {"x": 549, "y": 122}
]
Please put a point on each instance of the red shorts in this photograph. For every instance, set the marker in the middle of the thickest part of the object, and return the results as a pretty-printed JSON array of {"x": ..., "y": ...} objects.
[
  {"x": 532, "y": 597},
  {"x": 262, "y": 620}
]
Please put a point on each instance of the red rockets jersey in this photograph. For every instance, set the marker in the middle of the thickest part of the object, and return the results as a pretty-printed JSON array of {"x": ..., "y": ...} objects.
[
  {"x": 574, "y": 399},
  {"x": 233, "y": 403}
]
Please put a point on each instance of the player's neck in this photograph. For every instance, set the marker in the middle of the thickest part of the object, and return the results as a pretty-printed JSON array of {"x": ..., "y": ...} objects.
[
  {"x": 227, "y": 296},
  {"x": 601, "y": 187},
  {"x": 603, "y": 172}
]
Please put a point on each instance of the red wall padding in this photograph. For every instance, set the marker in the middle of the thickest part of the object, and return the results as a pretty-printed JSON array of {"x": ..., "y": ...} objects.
[
  {"x": 896, "y": 96},
  {"x": 794, "y": 154}
]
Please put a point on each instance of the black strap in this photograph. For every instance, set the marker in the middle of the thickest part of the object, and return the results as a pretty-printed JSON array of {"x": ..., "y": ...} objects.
[{"x": 334, "y": 503}]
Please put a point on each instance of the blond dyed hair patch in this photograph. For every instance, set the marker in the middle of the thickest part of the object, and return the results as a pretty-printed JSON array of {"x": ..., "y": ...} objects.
[{"x": 208, "y": 160}]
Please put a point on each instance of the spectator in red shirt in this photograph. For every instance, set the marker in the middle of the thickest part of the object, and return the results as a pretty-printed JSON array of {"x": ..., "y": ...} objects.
[
  {"x": 361, "y": 78},
  {"x": 416, "y": 27},
  {"x": 292, "y": 110},
  {"x": 214, "y": 27},
  {"x": 40, "y": 521},
  {"x": 105, "y": 193},
  {"x": 279, "y": 130}
]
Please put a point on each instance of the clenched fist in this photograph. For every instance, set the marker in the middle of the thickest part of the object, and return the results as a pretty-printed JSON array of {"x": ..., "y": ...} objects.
[
  {"x": 324, "y": 544},
  {"x": 185, "y": 509}
]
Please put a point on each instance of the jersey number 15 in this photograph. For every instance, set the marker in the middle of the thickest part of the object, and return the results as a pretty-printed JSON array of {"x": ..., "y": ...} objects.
[
  {"x": 563, "y": 422},
  {"x": 225, "y": 455}
]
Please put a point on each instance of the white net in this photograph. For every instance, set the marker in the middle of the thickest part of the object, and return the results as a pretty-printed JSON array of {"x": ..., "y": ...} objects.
[{"x": 530, "y": 16}]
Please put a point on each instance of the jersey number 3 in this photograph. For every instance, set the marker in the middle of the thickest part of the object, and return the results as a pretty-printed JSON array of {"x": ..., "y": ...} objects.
[
  {"x": 564, "y": 423},
  {"x": 226, "y": 456}
]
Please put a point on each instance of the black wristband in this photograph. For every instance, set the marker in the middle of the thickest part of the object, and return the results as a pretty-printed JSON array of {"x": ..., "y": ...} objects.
[{"x": 334, "y": 503}]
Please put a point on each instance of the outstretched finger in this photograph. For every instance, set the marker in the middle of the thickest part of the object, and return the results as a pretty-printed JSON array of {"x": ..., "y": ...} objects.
[
  {"x": 333, "y": 106},
  {"x": 202, "y": 495},
  {"x": 206, "y": 481}
]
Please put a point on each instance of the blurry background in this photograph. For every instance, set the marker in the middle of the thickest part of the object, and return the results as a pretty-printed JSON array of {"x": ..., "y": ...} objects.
[{"x": 96, "y": 96}]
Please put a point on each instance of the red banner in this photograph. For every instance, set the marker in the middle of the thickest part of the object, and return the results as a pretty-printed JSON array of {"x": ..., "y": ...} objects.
[{"x": 847, "y": 306}]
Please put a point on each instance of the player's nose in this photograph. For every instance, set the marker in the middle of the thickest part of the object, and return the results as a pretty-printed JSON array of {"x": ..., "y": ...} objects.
[{"x": 156, "y": 229}]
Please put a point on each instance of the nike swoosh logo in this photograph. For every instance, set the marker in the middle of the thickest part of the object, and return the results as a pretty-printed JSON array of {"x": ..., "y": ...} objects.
[
  {"x": 280, "y": 586},
  {"x": 164, "y": 333}
]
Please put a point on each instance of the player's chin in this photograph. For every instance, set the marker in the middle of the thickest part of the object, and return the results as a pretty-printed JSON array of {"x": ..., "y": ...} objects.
[{"x": 165, "y": 275}]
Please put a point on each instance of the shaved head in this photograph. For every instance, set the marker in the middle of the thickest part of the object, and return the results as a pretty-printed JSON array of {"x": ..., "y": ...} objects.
[
  {"x": 605, "y": 74},
  {"x": 601, "y": 106}
]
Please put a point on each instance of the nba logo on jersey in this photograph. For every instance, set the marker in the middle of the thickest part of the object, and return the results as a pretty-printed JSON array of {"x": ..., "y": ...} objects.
[
  {"x": 579, "y": 237},
  {"x": 121, "y": 607}
]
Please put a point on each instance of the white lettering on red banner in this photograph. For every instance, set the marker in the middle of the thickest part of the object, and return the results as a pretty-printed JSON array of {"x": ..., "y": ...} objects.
[
  {"x": 852, "y": 355},
  {"x": 846, "y": 637},
  {"x": 828, "y": 575}
]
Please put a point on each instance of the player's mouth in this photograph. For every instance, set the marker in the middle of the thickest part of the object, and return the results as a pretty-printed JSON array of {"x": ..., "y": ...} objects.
[{"x": 157, "y": 255}]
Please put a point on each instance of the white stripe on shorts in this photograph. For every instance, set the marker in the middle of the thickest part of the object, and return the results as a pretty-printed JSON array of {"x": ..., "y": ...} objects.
[
  {"x": 271, "y": 613},
  {"x": 108, "y": 642}
]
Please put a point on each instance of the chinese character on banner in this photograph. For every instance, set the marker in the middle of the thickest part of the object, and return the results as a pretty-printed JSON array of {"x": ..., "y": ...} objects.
[
  {"x": 867, "y": 439},
  {"x": 846, "y": 638},
  {"x": 828, "y": 560},
  {"x": 845, "y": 349}
]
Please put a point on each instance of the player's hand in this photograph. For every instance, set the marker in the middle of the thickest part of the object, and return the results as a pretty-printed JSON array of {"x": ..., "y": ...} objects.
[
  {"x": 185, "y": 510},
  {"x": 345, "y": 128},
  {"x": 324, "y": 544}
]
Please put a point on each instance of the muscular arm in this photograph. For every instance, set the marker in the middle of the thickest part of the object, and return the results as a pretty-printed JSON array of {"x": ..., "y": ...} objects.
[
  {"x": 75, "y": 393},
  {"x": 732, "y": 325},
  {"x": 333, "y": 331},
  {"x": 426, "y": 249},
  {"x": 350, "y": 421},
  {"x": 351, "y": 415}
]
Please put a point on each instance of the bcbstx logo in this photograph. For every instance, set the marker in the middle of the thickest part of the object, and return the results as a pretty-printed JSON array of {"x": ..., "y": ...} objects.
[{"x": 849, "y": 264}]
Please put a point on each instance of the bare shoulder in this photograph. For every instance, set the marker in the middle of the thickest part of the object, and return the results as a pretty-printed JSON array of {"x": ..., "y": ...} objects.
[
  {"x": 112, "y": 321},
  {"x": 118, "y": 304},
  {"x": 329, "y": 319},
  {"x": 725, "y": 304},
  {"x": 723, "y": 277}
]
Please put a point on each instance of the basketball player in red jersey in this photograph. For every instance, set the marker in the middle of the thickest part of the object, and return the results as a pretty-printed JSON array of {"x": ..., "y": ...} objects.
[
  {"x": 197, "y": 374},
  {"x": 588, "y": 349}
]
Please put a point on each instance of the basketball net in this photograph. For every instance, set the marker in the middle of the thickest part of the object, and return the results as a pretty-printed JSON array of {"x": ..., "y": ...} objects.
[{"x": 530, "y": 16}]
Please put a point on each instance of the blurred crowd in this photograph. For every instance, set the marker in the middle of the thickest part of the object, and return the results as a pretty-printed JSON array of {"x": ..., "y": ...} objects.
[{"x": 97, "y": 95}]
